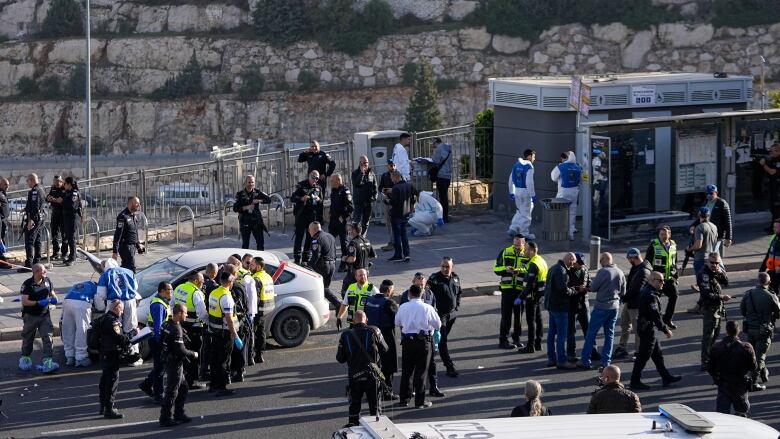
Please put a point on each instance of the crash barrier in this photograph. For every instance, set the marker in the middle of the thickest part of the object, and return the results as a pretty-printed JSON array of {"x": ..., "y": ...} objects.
[{"x": 178, "y": 221}]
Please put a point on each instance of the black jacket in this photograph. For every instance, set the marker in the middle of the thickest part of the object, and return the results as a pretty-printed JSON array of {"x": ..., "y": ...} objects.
[
  {"x": 5, "y": 211},
  {"x": 401, "y": 199},
  {"x": 71, "y": 204},
  {"x": 385, "y": 182},
  {"x": 371, "y": 340},
  {"x": 636, "y": 280},
  {"x": 363, "y": 187},
  {"x": 319, "y": 161},
  {"x": 731, "y": 361},
  {"x": 557, "y": 291},
  {"x": 650, "y": 310},
  {"x": 447, "y": 292},
  {"x": 34, "y": 206},
  {"x": 174, "y": 344},
  {"x": 578, "y": 277},
  {"x": 56, "y": 192},
  {"x": 306, "y": 212},
  {"x": 323, "y": 249},
  {"x": 710, "y": 284},
  {"x": 524, "y": 410},
  {"x": 126, "y": 232},
  {"x": 243, "y": 199},
  {"x": 360, "y": 248},
  {"x": 112, "y": 339},
  {"x": 720, "y": 216},
  {"x": 340, "y": 204}
]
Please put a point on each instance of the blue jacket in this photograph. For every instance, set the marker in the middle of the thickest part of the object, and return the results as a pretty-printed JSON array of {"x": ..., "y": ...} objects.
[
  {"x": 119, "y": 283},
  {"x": 522, "y": 177},
  {"x": 445, "y": 170},
  {"x": 83, "y": 291},
  {"x": 159, "y": 314}
]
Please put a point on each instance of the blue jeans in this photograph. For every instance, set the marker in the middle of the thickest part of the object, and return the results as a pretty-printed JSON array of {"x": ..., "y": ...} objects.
[
  {"x": 559, "y": 323},
  {"x": 600, "y": 318},
  {"x": 400, "y": 241},
  {"x": 697, "y": 266}
]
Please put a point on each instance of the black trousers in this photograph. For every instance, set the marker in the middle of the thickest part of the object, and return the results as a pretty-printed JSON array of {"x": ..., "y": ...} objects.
[
  {"x": 447, "y": 321},
  {"x": 362, "y": 215},
  {"x": 670, "y": 290},
  {"x": 774, "y": 279},
  {"x": 649, "y": 348},
  {"x": 533, "y": 319},
  {"x": 32, "y": 246},
  {"x": 774, "y": 203},
  {"x": 259, "y": 335},
  {"x": 205, "y": 354},
  {"x": 71, "y": 235},
  {"x": 255, "y": 229},
  {"x": 578, "y": 312},
  {"x": 732, "y": 394},
  {"x": 433, "y": 381},
  {"x": 221, "y": 350},
  {"x": 127, "y": 255},
  {"x": 176, "y": 390},
  {"x": 302, "y": 237},
  {"x": 238, "y": 358},
  {"x": 192, "y": 366},
  {"x": 57, "y": 231},
  {"x": 443, "y": 187},
  {"x": 415, "y": 356},
  {"x": 326, "y": 270},
  {"x": 109, "y": 379},
  {"x": 155, "y": 377},
  {"x": 510, "y": 316},
  {"x": 365, "y": 385}
]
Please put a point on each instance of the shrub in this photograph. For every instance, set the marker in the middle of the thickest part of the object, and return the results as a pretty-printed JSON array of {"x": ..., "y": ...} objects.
[
  {"x": 774, "y": 99},
  {"x": 339, "y": 26},
  {"x": 422, "y": 114},
  {"x": 77, "y": 84},
  {"x": 281, "y": 22},
  {"x": 50, "y": 88},
  {"x": 444, "y": 84},
  {"x": 408, "y": 73},
  {"x": 744, "y": 13},
  {"x": 62, "y": 20},
  {"x": 251, "y": 82},
  {"x": 223, "y": 85},
  {"x": 188, "y": 82},
  {"x": 63, "y": 145},
  {"x": 483, "y": 142},
  {"x": 307, "y": 80},
  {"x": 27, "y": 86}
]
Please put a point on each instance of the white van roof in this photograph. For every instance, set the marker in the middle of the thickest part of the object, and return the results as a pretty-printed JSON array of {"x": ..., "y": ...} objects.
[{"x": 633, "y": 425}]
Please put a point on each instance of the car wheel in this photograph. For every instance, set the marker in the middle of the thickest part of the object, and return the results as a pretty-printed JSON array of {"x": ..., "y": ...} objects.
[{"x": 291, "y": 327}]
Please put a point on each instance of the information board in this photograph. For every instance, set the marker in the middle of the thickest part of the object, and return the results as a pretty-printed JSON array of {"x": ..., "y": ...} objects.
[
  {"x": 643, "y": 95},
  {"x": 697, "y": 160}
]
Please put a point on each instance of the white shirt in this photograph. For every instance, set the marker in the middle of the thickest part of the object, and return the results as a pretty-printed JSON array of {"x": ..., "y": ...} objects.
[
  {"x": 401, "y": 160},
  {"x": 415, "y": 316},
  {"x": 250, "y": 289},
  {"x": 227, "y": 304}
]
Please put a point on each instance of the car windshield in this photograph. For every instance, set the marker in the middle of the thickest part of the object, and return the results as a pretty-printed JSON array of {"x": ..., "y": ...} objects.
[{"x": 161, "y": 271}]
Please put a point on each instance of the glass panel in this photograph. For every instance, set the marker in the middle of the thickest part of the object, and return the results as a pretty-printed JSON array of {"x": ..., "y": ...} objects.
[
  {"x": 754, "y": 139},
  {"x": 161, "y": 271},
  {"x": 632, "y": 170},
  {"x": 600, "y": 186}
]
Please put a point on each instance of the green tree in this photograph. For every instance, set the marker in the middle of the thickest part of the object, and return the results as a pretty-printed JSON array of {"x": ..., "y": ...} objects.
[
  {"x": 252, "y": 83},
  {"x": 187, "y": 83},
  {"x": 307, "y": 80},
  {"x": 422, "y": 114},
  {"x": 483, "y": 142},
  {"x": 62, "y": 20},
  {"x": 281, "y": 22},
  {"x": 50, "y": 88}
]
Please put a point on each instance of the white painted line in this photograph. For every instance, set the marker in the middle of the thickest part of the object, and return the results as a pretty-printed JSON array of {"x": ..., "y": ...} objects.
[
  {"x": 489, "y": 386},
  {"x": 97, "y": 427},
  {"x": 454, "y": 248}
]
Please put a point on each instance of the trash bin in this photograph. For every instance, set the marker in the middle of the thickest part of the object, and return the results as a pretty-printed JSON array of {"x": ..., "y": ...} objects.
[{"x": 555, "y": 219}]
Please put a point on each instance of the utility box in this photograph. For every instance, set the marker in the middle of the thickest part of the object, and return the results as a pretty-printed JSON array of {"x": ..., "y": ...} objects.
[{"x": 378, "y": 146}]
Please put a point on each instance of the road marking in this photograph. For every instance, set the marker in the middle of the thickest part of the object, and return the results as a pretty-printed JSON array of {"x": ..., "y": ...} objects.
[
  {"x": 97, "y": 427},
  {"x": 454, "y": 248},
  {"x": 490, "y": 386}
]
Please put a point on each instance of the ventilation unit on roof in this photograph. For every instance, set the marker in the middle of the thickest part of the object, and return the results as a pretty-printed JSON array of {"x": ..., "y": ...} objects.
[
  {"x": 671, "y": 97},
  {"x": 555, "y": 102},
  {"x": 701, "y": 95},
  {"x": 505, "y": 97},
  {"x": 731, "y": 94},
  {"x": 613, "y": 100}
]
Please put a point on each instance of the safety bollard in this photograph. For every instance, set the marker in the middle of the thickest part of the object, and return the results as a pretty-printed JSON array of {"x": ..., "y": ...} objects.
[{"x": 595, "y": 251}]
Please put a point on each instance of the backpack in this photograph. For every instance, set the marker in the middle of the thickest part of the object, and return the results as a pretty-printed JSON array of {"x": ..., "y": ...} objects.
[{"x": 93, "y": 334}]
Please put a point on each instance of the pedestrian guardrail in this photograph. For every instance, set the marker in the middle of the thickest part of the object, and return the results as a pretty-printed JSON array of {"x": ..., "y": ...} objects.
[
  {"x": 92, "y": 221},
  {"x": 178, "y": 223},
  {"x": 145, "y": 226},
  {"x": 280, "y": 209},
  {"x": 46, "y": 235},
  {"x": 225, "y": 212}
]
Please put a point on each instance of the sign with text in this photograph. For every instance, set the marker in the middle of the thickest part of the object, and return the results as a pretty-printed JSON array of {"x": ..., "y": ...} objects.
[
  {"x": 585, "y": 100},
  {"x": 574, "y": 94},
  {"x": 643, "y": 95}
]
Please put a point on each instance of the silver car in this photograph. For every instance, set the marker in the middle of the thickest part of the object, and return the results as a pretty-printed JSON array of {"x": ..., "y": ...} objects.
[{"x": 300, "y": 296}]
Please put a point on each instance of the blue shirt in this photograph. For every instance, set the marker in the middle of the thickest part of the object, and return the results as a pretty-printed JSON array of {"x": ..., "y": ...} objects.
[
  {"x": 119, "y": 284},
  {"x": 83, "y": 291},
  {"x": 159, "y": 314}
]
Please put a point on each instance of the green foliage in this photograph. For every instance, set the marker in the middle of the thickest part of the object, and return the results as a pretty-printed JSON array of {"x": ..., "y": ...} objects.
[
  {"x": 483, "y": 141},
  {"x": 63, "y": 145},
  {"x": 281, "y": 22},
  {"x": 63, "y": 20},
  {"x": 187, "y": 83},
  {"x": 744, "y": 13},
  {"x": 307, "y": 80},
  {"x": 774, "y": 99},
  {"x": 422, "y": 114},
  {"x": 251, "y": 82},
  {"x": 338, "y": 26},
  {"x": 27, "y": 86},
  {"x": 444, "y": 84},
  {"x": 50, "y": 88},
  {"x": 408, "y": 73},
  {"x": 223, "y": 85},
  {"x": 77, "y": 84}
]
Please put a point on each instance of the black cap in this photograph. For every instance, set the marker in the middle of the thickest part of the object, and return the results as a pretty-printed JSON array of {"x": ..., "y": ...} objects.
[{"x": 386, "y": 282}]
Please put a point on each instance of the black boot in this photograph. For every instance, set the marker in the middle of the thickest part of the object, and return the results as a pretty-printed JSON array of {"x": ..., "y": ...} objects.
[{"x": 112, "y": 413}]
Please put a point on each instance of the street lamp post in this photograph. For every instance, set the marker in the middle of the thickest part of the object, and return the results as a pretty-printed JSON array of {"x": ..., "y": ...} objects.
[{"x": 88, "y": 116}]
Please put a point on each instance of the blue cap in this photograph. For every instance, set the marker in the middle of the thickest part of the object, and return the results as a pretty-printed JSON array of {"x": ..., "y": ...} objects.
[
  {"x": 704, "y": 211},
  {"x": 633, "y": 252},
  {"x": 390, "y": 162},
  {"x": 711, "y": 188},
  {"x": 597, "y": 151},
  {"x": 580, "y": 258}
]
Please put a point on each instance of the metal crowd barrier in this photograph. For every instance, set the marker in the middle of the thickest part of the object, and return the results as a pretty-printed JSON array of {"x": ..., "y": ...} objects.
[
  {"x": 145, "y": 225},
  {"x": 226, "y": 210},
  {"x": 279, "y": 207},
  {"x": 178, "y": 221},
  {"x": 46, "y": 234},
  {"x": 92, "y": 220}
]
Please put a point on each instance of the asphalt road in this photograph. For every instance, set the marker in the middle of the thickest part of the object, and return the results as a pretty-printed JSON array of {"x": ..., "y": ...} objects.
[{"x": 299, "y": 393}]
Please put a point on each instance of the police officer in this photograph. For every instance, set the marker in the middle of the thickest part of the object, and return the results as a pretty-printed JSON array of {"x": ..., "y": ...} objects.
[
  {"x": 648, "y": 321},
  {"x": 190, "y": 295},
  {"x": 568, "y": 175},
  {"x": 176, "y": 388},
  {"x": 731, "y": 363},
  {"x": 224, "y": 334},
  {"x": 427, "y": 297},
  {"x": 380, "y": 311},
  {"x": 532, "y": 295},
  {"x": 323, "y": 259},
  {"x": 771, "y": 263},
  {"x": 511, "y": 266},
  {"x": 71, "y": 219},
  {"x": 712, "y": 303},
  {"x": 364, "y": 190},
  {"x": 445, "y": 285},
  {"x": 250, "y": 219},
  {"x": 242, "y": 291},
  {"x": 771, "y": 166},
  {"x": 361, "y": 347},
  {"x": 355, "y": 297},
  {"x": 662, "y": 255},
  {"x": 340, "y": 212},
  {"x": 209, "y": 284},
  {"x": 33, "y": 214},
  {"x": 159, "y": 314},
  {"x": 359, "y": 250},
  {"x": 113, "y": 342},
  {"x": 522, "y": 192},
  {"x": 126, "y": 242},
  {"x": 266, "y": 302},
  {"x": 320, "y": 161},
  {"x": 307, "y": 200},
  {"x": 385, "y": 186},
  {"x": 760, "y": 308},
  {"x": 55, "y": 198},
  {"x": 37, "y": 293}
]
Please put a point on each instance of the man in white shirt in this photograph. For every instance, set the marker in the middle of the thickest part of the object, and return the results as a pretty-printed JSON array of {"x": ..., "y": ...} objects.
[
  {"x": 401, "y": 156},
  {"x": 418, "y": 322}
]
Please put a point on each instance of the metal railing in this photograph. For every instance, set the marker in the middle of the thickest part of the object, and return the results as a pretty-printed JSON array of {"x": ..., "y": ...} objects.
[
  {"x": 226, "y": 211},
  {"x": 178, "y": 221},
  {"x": 46, "y": 236},
  {"x": 91, "y": 220},
  {"x": 280, "y": 209}
]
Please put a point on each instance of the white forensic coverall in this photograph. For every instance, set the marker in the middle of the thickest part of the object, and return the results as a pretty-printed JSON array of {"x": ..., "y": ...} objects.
[
  {"x": 568, "y": 176},
  {"x": 521, "y": 186},
  {"x": 427, "y": 212}
]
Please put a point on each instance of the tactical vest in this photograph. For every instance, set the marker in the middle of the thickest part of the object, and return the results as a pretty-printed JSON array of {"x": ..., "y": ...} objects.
[
  {"x": 542, "y": 265},
  {"x": 773, "y": 254},
  {"x": 519, "y": 262},
  {"x": 184, "y": 294},
  {"x": 265, "y": 291},
  {"x": 356, "y": 299},
  {"x": 166, "y": 307},
  {"x": 216, "y": 320},
  {"x": 663, "y": 260}
]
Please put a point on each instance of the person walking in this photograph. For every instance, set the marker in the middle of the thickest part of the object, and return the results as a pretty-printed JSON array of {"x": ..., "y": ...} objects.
[
  {"x": 705, "y": 239},
  {"x": 176, "y": 388},
  {"x": 761, "y": 309},
  {"x": 771, "y": 262},
  {"x": 323, "y": 259},
  {"x": 37, "y": 296},
  {"x": 126, "y": 243},
  {"x": 401, "y": 156},
  {"x": 113, "y": 342},
  {"x": 340, "y": 210},
  {"x": 712, "y": 302},
  {"x": 250, "y": 218},
  {"x": 511, "y": 266},
  {"x": 55, "y": 197},
  {"x": 33, "y": 220},
  {"x": 609, "y": 284},
  {"x": 731, "y": 363},
  {"x": 71, "y": 220},
  {"x": 401, "y": 201},
  {"x": 579, "y": 310},
  {"x": 648, "y": 321},
  {"x": 442, "y": 159},
  {"x": 159, "y": 314},
  {"x": 307, "y": 198},
  {"x": 523, "y": 193},
  {"x": 76, "y": 319},
  {"x": 446, "y": 287},
  {"x": 266, "y": 302},
  {"x": 720, "y": 216},
  {"x": 532, "y": 295},
  {"x": 612, "y": 397},
  {"x": 568, "y": 175},
  {"x": 364, "y": 192},
  {"x": 190, "y": 295},
  {"x": 771, "y": 167},
  {"x": 636, "y": 280},
  {"x": 380, "y": 311},
  {"x": 533, "y": 402},
  {"x": 662, "y": 255},
  {"x": 556, "y": 301}
]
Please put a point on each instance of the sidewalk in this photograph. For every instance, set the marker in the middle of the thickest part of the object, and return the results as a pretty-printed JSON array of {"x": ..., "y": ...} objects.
[{"x": 473, "y": 239}]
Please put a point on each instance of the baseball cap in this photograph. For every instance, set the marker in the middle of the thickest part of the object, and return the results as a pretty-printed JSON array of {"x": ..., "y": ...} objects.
[
  {"x": 705, "y": 211},
  {"x": 390, "y": 162},
  {"x": 711, "y": 188},
  {"x": 580, "y": 258},
  {"x": 633, "y": 252}
]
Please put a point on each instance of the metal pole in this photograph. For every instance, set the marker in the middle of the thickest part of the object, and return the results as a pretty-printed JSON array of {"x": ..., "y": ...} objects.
[
  {"x": 763, "y": 87},
  {"x": 88, "y": 122}
]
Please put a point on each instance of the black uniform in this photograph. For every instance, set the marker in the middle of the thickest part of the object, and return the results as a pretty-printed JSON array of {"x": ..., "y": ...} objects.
[
  {"x": 5, "y": 215},
  {"x": 319, "y": 161},
  {"x": 71, "y": 219},
  {"x": 340, "y": 211},
  {"x": 578, "y": 311},
  {"x": 57, "y": 223},
  {"x": 364, "y": 192},
  {"x": 731, "y": 364},
  {"x": 126, "y": 242},
  {"x": 209, "y": 285},
  {"x": 176, "y": 387},
  {"x": 360, "y": 248},
  {"x": 359, "y": 347},
  {"x": 33, "y": 211},
  {"x": 251, "y": 222},
  {"x": 712, "y": 307},
  {"x": 112, "y": 343},
  {"x": 238, "y": 357},
  {"x": 323, "y": 261},
  {"x": 532, "y": 296},
  {"x": 305, "y": 213},
  {"x": 649, "y": 319},
  {"x": 447, "y": 292},
  {"x": 380, "y": 312}
]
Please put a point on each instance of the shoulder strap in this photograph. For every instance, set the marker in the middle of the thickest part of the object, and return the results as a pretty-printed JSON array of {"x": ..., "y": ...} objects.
[
  {"x": 360, "y": 345},
  {"x": 445, "y": 158},
  {"x": 752, "y": 303}
]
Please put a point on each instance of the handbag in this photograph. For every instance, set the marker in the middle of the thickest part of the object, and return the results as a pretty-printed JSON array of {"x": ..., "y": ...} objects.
[{"x": 433, "y": 170}]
